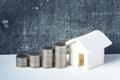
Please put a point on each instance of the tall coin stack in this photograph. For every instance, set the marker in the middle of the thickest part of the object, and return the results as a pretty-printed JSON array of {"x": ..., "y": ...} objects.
[
  {"x": 34, "y": 60},
  {"x": 60, "y": 55},
  {"x": 21, "y": 60},
  {"x": 47, "y": 59}
]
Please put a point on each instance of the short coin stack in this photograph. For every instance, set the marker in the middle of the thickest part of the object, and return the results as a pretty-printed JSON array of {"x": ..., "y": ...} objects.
[
  {"x": 60, "y": 55},
  {"x": 47, "y": 57},
  {"x": 21, "y": 60},
  {"x": 34, "y": 60}
]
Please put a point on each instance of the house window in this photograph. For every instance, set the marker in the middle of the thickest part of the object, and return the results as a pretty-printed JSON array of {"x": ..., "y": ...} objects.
[{"x": 81, "y": 59}]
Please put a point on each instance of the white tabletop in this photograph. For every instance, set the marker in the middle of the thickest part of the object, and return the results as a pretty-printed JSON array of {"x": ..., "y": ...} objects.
[{"x": 108, "y": 71}]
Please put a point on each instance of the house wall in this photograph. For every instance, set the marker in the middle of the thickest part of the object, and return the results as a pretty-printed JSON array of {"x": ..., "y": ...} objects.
[{"x": 28, "y": 25}]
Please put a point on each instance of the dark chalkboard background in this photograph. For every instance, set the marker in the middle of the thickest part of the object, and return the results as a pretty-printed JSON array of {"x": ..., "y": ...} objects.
[{"x": 28, "y": 25}]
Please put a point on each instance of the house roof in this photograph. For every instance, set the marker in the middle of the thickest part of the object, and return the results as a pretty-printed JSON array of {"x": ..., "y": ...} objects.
[{"x": 92, "y": 41}]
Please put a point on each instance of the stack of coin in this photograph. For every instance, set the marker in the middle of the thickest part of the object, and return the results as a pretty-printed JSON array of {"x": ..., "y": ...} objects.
[
  {"x": 21, "y": 60},
  {"x": 60, "y": 55},
  {"x": 47, "y": 59},
  {"x": 34, "y": 60}
]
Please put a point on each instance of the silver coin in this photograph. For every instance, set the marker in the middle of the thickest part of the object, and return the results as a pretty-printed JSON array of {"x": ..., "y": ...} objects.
[
  {"x": 47, "y": 57},
  {"x": 34, "y": 60},
  {"x": 60, "y": 55},
  {"x": 21, "y": 60}
]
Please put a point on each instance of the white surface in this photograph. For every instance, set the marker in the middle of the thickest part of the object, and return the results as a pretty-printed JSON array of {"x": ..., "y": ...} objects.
[{"x": 108, "y": 71}]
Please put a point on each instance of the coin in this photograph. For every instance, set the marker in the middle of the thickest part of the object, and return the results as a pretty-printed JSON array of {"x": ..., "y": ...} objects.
[
  {"x": 60, "y": 55},
  {"x": 47, "y": 57},
  {"x": 34, "y": 60},
  {"x": 21, "y": 60}
]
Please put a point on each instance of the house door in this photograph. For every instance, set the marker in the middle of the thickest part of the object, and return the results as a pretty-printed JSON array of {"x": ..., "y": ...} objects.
[{"x": 81, "y": 59}]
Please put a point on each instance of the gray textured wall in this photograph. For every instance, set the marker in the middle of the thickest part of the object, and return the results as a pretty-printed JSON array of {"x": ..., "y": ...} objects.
[{"x": 28, "y": 25}]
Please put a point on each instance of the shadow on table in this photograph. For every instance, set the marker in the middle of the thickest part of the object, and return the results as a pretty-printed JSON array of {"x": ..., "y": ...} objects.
[{"x": 111, "y": 58}]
